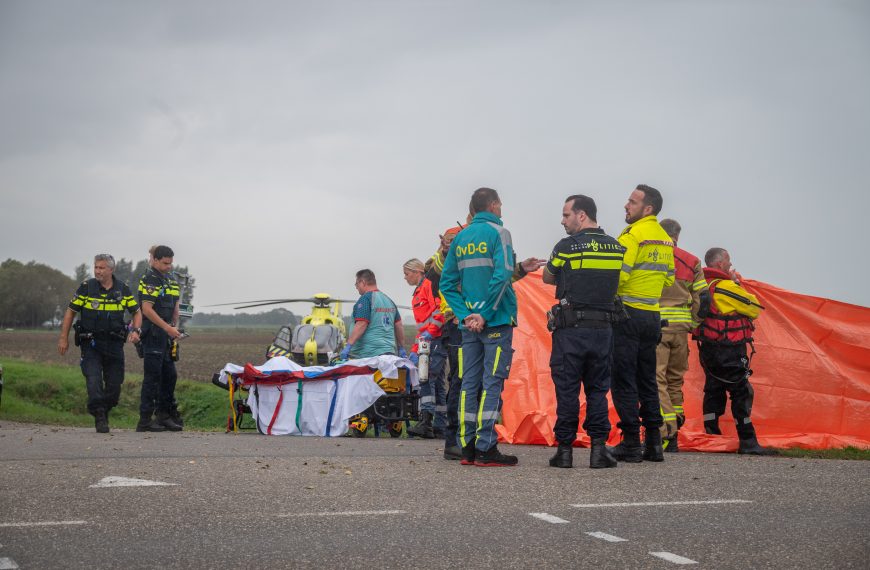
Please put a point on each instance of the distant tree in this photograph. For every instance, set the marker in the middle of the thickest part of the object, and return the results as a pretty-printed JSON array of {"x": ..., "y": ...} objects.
[
  {"x": 82, "y": 272},
  {"x": 124, "y": 270},
  {"x": 138, "y": 272},
  {"x": 31, "y": 293}
]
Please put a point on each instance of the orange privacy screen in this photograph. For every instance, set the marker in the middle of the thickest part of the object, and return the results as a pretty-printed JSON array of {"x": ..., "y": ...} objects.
[{"x": 811, "y": 376}]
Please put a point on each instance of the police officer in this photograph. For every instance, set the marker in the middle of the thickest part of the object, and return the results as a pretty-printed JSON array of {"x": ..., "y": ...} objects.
[
  {"x": 158, "y": 295},
  {"x": 648, "y": 266},
  {"x": 101, "y": 332},
  {"x": 585, "y": 268}
]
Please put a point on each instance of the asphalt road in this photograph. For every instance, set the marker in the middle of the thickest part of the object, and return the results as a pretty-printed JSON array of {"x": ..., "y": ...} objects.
[{"x": 252, "y": 501}]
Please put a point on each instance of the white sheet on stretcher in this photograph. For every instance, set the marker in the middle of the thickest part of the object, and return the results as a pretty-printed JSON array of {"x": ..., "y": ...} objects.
[{"x": 353, "y": 394}]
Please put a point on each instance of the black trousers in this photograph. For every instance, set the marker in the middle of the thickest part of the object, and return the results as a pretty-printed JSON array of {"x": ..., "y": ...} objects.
[
  {"x": 727, "y": 374},
  {"x": 158, "y": 381},
  {"x": 634, "y": 387},
  {"x": 453, "y": 341},
  {"x": 102, "y": 364},
  {"x": 581, "y": 354}
]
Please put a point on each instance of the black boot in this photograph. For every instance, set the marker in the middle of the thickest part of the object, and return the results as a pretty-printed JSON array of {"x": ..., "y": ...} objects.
[
  {"x": 670, "y": 444},
  {"x": 469, "y": 453},
  {"x": 653, "y": 446},
  {"x": 601, "y": 458},
  {"x": 712, "y": 427},
  {"x": 629, "y": 450},
  {"x": 101, "y": 421},
  {"x": 176, "y": 416},
  {"x": 164, "y": 419},
  {"x": 563, "y": 457},
  {"x": 147, "y": 423},
  {"x": 423, "y": 428},
  {"x": 453, "y": 452},
  {"x": 750, "y": 446},
  {"x": 492, "y": 457}
]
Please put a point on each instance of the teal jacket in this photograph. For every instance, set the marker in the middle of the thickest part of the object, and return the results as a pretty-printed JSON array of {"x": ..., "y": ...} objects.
[{"x": 477, "y": 272}]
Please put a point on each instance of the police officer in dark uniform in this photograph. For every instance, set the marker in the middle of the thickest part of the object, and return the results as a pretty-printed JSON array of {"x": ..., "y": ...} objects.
[
  {"x": 101, "y": 332},
  {"x": 158, "y": 295},
  {"x": 585, "y": 269}
]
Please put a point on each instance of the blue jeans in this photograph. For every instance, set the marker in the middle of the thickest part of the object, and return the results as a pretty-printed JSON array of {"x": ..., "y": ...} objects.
[
  {"x": 484, "y": 364},
  {"x": 433, "y": 398}
]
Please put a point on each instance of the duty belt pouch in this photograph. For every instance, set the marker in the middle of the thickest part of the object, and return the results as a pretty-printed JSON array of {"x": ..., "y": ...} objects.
[{"x": 77, "y": 329}]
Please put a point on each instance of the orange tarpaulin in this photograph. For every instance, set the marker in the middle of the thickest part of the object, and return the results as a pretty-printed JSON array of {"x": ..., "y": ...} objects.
[{"x": 811, "y": 376}]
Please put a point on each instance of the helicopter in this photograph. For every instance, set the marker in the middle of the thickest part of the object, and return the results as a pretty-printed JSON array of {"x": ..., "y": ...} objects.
[{"x": 317, "y": 340}]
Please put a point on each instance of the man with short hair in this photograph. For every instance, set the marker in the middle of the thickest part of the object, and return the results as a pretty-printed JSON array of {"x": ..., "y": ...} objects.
[
  {"x": 476, "y": 283},
  {"x": 101, "y": 332},
  {"x": 723, "y": 336},
  {"x": 158, "y": 295},
  {"x": 585, "y": 268},
  {"x": 682, "y": 305},
  {"x": 648, "y": 267},
  {"x": 377, "y": 327}
]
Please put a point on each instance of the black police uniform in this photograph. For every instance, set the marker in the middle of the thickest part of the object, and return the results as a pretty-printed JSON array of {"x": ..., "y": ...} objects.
[
  {"x": 100, "y": 332},
  {"x": 158, "y": 382},
  {"x": 586, "y": 266}
]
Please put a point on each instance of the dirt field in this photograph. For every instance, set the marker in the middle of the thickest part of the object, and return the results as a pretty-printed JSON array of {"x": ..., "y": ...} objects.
[{"x": 202, "y": 354}]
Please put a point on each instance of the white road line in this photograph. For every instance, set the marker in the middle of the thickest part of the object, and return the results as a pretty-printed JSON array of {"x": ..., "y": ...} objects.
[
  {"x": 46, "y": 523},
  {"x": 607, "y": 537},
  {"x": 114, "y": 481},
  {"x": 548, "y": 517},
  {"x": 7, "y": 564},
  {"x": 344, "y": 514},
  {"x": 660, "y": 503},
  {"x": 673, "y": 558}
]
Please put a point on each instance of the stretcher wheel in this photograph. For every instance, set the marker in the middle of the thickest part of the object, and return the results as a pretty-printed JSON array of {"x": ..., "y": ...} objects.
[
  {"x": 359, "y": 426},
  {"x": 395, "y": 429}
]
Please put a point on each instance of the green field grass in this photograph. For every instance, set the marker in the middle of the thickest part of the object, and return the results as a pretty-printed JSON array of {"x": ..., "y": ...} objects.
[{"x": 55, "y": 394}]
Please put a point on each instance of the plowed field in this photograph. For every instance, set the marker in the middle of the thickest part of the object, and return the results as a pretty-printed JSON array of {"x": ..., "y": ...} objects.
[{"x": 202, "y": 354}]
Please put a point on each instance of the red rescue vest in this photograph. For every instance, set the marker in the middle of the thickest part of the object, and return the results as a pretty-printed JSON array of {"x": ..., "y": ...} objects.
[
  {"x": 723, "y": 329},
  {"x": 684, "y": 265}
]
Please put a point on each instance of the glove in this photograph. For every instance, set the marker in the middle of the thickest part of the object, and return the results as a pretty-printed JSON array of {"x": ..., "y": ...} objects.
[
  {"x": 425, "y": 335},
  {"x": 345, "y": 352},
  {"x": 415, "y": 358},
  {"x": 402, "y": 352}
]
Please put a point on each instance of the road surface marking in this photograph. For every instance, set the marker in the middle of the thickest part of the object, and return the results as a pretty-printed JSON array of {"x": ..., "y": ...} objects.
[
  {"x": 660, "y": 503},
  {"x": 127, "y": 482},
  {"x": 47, "y": 523},
  {"x": 673, "y": 558},
  {"x": 549, "y": 518},
  {"x": 7, "y": 564},
  {"x": 607, "y": 537},
  {"x": 345, "y": 514}
]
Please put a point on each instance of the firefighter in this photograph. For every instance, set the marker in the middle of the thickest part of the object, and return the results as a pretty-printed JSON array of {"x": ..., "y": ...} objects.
[
  {"x": 723, "y": 337},
  {"x": 682, "y": 304},
  {"x": 648, "y": 266},
  {"x": 585, "y": 268},
  {"x": 377, "y": 327},
  {"x": 158, "y": 295},
  {"x": 430, "y": 322},
  {"x": 476, "y": 282},
  {"x": 101, "y": 332}
]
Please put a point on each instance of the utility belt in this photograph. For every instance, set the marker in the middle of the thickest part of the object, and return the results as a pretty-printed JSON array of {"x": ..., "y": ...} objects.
[
  {"x": 82, "y": 336},
  {"x": 563, "y": 316}
]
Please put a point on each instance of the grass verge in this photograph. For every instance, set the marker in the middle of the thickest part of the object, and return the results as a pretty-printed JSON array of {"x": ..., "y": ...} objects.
[
  {"x": 854, "y": 453},
  {"x": 56, "y": 394}
]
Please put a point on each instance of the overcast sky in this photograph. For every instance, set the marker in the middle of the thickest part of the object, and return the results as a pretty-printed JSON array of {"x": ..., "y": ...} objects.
[{"x": 278, "y": 147}]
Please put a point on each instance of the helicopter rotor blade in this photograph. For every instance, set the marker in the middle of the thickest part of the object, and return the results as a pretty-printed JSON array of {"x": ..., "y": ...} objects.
[
  {"x": 281, "y": 302},
  {"x": 256, "y": 301}
]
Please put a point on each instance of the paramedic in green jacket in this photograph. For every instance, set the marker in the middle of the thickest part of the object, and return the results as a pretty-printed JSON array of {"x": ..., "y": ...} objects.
[
  {"x": 377, "y": 327},
  {"x": 476, "y": 283}
]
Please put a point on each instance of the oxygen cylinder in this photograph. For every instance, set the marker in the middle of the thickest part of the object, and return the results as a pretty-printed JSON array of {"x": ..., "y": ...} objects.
[{"x": 423, "y": 363}]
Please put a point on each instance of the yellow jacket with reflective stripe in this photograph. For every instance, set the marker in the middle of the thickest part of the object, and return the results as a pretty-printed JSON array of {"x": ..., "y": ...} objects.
[{"x": 648, "y": 265}]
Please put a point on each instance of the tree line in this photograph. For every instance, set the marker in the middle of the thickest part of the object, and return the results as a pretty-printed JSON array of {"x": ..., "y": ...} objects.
[{"x": 33, "y": 293}]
